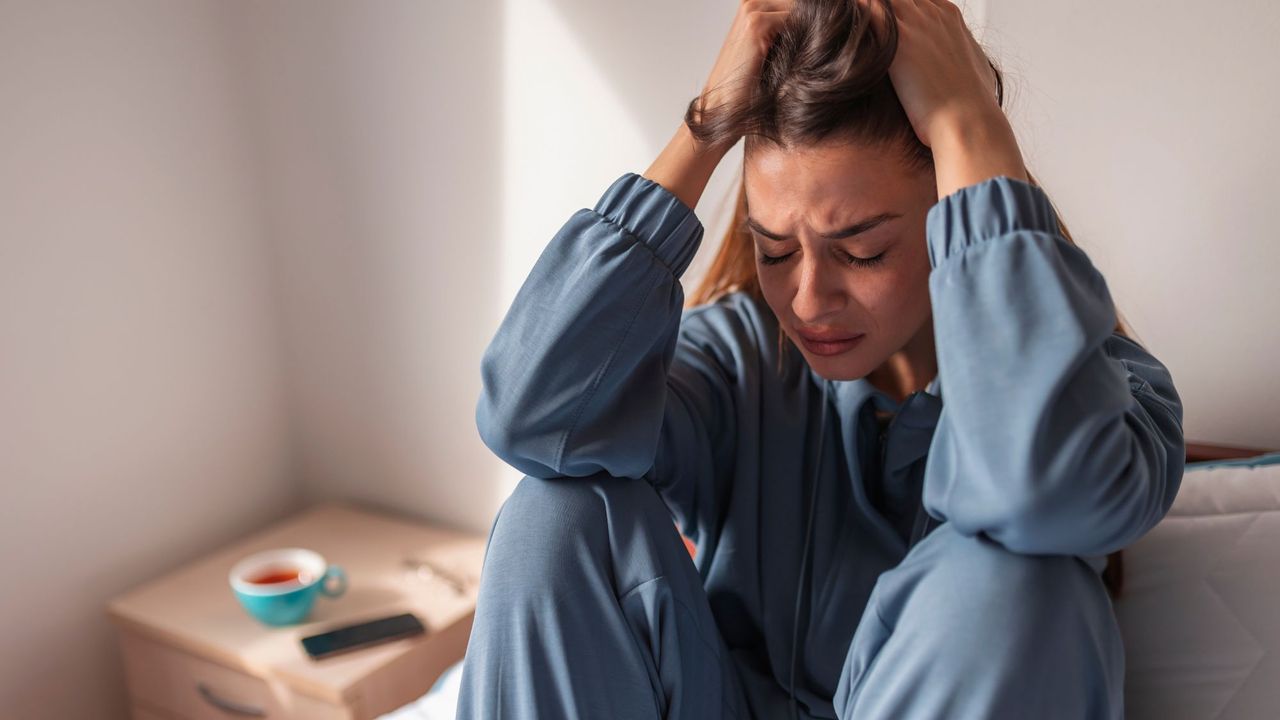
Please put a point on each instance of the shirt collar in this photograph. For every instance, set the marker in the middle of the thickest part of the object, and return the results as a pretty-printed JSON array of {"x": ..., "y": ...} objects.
[{"x": 915, "y": 418}]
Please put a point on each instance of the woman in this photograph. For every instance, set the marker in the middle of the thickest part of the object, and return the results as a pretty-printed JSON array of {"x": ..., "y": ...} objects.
[{"x": 903, "y": 426}]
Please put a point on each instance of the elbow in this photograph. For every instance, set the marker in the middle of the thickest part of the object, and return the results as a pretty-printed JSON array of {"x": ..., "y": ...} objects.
[
  {"x": 548, "y": 446},
  {"x": 494, "y": 431},
  {"x": 1099, "y": 508},
  {"x": 509, "y": 440},
  {"x": 1051, "y": 526},
  {"x": 1088, "y": 482}
]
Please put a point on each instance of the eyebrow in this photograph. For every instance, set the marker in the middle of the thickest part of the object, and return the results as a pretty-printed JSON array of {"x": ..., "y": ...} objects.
[{"x": 857, "y": 228}]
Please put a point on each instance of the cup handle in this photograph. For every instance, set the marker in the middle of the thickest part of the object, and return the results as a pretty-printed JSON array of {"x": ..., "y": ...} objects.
[{"x": 334, "y": 572}]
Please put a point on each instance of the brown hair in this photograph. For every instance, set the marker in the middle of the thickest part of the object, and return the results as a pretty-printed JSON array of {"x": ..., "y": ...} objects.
[{"x": 826, "y": 77}]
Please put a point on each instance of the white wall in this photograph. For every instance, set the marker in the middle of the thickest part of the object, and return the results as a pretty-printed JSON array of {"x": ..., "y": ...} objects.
[
  {"x": 1152, "y": 125},
  {"x": 381, "y": 129},
  {"x": 141, "y": 418}
]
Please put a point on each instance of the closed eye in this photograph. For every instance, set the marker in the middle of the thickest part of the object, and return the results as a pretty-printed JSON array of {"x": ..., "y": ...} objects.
[{"x": 851, "y": 259}]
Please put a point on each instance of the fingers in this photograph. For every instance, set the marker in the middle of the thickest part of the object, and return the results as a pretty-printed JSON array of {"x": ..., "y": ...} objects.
[
  {"x": 875, "y": 10},
  {"x": 767, "y": 5},
  {"x": 942, "y": 5},
  {"x": 764, "y": 18},
  {"x": 928, "y": 9},
  {"x": 771, "y": 9},
  {"x": 771, "y": 22},
  {"x": 909, "y": 8},
  {"x": 981, "y": 59},
  {"x": 922, "y": 13}
]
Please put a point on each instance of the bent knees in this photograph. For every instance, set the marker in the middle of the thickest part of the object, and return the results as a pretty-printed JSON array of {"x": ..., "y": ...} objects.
[
  {"x": 964, "y": 627},
  {"x": 590, "y": 606},
  {"x": 554, "y": 534},
  {"x": 950, "y": 575},
  {"x": 548, "y": 537}
]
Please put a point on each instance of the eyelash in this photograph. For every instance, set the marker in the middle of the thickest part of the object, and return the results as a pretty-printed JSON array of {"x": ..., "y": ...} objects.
[{"x": 853, "y": 260}]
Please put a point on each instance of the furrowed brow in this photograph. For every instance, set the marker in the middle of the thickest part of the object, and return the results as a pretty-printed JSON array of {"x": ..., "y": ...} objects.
[{"x": 857, "y": 228}]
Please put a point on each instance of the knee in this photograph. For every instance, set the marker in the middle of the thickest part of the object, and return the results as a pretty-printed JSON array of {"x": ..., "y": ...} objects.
[
  {"x": 560, "y": 534},
  {"x": 544, "y": 525},
  {"x": 1041, "y": 624},
  {"x": 538, "y": 504},
  {"x": 976, "y": 581}
]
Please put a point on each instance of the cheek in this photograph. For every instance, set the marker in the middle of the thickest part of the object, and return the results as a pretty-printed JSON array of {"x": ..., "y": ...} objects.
[
  {"x": 906, "y": 289},
  {"x": 894, "y": 300},
  {"x": 909, "y": 305},
  {"x": 884, "y": 292},
  {"x": 777, "y": 289}
]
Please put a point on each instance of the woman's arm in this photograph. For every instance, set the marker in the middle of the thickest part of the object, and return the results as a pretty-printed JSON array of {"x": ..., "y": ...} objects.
[
  {"x": 1057, "y": 436},
  {"x": 597, "y": 367},
  {"x": 574, "y": 379},
  {"x": 684, "y": 166},
  {"x": 975, "y": 146}
]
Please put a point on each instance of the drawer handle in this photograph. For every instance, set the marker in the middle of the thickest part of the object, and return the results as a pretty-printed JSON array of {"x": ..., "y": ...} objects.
[{"x": 232, "y": 707}]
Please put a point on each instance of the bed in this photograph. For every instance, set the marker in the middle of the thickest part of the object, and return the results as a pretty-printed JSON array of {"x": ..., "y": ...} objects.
[{"x": 1198, "y": 610}]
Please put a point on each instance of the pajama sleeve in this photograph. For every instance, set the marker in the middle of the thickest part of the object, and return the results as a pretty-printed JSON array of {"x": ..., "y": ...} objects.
[
  {"x": 596, "y": 366},
  {"x": 1057, "y": 435}
]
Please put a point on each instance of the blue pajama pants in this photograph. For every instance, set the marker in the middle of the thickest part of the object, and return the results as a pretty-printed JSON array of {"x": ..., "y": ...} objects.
[{"x": 590, "y": 607}]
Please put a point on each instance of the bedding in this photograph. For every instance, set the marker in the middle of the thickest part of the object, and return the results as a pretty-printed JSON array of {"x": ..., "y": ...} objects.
[{"x": 1198, "y": 613}]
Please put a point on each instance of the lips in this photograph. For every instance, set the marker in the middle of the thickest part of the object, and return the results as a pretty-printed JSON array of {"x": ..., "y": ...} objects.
[
  {"x": 827, "y": 335},
  {"x": 830, "y": 343}
]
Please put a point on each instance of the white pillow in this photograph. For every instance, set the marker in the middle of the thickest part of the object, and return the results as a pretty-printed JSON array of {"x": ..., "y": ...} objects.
[{"x": 1200, "y": 610}]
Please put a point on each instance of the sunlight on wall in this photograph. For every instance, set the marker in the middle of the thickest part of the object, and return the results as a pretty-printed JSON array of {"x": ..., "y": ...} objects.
[{"x": 564, "y": 128}]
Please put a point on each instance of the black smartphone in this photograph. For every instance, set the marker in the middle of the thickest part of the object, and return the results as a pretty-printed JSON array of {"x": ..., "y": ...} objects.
[{"x": 362, "y": 634}]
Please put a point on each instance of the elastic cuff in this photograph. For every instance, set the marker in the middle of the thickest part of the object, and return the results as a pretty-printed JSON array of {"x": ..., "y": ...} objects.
[
  {"x": 991, "y": 208},
  {"x": 655, "y": 217}
]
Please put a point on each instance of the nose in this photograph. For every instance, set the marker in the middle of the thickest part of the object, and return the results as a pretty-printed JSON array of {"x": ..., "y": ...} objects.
[{"x": 819, "y": 295}]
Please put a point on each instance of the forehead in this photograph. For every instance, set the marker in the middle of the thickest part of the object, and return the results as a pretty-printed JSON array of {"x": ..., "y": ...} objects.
[{"x": 822, "y": 184}]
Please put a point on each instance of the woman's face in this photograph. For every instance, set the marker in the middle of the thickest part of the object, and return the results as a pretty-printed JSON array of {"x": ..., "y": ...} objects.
[{"x": 846, "y": 224}]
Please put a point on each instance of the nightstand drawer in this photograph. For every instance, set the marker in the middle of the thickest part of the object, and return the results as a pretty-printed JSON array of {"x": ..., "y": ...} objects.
[{"x": 193, "y": 688}]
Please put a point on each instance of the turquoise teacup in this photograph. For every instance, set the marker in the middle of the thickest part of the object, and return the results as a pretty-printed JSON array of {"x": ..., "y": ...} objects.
[{"x": 278, "y": 587}]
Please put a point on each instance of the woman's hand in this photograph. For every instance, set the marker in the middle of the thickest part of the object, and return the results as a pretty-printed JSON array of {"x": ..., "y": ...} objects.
[
  {"x": 737, "y": 68},
  {"x": 684, "y": 166},
  {"x": 939, "y": 72},
  {"x": 948, "y": 90}
]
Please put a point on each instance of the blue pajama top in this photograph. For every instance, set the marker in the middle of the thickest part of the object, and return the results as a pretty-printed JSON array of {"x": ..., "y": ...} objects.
[{"x": 1044, "y": 429}]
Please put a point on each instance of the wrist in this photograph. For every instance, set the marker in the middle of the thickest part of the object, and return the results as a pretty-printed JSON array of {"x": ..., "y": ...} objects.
[
  {"x": 963, "y": 124},
  {"x": 684, "y": 166},
  {"x": 975, "y": 145},
  {"x": 699, "y": 148}
]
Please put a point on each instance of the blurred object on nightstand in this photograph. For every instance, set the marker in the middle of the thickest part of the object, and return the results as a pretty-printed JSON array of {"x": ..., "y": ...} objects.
[{"x": 191, "y": 652}]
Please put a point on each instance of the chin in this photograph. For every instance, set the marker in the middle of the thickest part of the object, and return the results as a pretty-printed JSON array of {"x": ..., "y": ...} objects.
[{"x": 837, "y": 367}]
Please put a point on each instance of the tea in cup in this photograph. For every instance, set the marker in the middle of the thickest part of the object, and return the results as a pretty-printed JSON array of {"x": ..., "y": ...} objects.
[{"x": 278, "y": 587}]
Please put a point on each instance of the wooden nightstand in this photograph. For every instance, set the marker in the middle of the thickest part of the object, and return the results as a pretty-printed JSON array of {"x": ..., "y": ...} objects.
[{"x": 191, "y": 652}]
